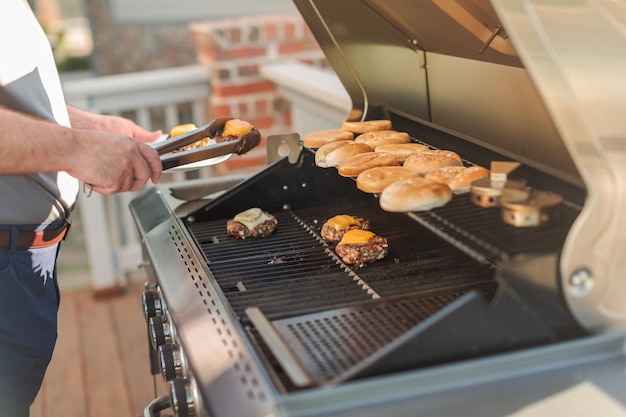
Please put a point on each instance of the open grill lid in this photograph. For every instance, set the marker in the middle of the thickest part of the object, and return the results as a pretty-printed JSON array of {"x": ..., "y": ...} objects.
[{"x": 538, "y": 81}]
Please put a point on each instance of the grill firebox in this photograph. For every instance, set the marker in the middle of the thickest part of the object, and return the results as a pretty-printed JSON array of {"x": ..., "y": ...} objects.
[{"x": 435, "y": 258}]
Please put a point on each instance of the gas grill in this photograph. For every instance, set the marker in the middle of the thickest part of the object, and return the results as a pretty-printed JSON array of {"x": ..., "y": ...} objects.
[{"x": 466, "y": 308}]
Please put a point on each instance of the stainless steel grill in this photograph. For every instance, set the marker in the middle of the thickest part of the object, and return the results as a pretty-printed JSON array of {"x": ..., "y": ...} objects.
[{"x": 465, "y": 308}]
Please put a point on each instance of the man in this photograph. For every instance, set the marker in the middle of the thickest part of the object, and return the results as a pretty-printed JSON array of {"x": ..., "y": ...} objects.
[{"x": 46, "y": 148}]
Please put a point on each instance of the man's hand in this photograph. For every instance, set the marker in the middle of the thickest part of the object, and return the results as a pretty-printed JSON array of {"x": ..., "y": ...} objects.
[
  {"x": 118, "y": 166},
  {"x": 82, "y": 119},
  {"x": 110, "y": 163},
  {"x": 106, "y": 152}
]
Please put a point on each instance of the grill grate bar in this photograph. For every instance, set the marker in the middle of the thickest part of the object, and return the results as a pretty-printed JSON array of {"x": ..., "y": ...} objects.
[
  {"x": 295, "y": 271},
  {"x": 330, "y": 343}
]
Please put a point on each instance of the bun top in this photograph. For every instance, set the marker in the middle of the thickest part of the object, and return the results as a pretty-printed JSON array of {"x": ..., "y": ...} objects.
[
  {"x": 414, "y": 194},
  {"x": 322, "y": 153},
  {"x": 402, "y": 150},
  {"x": 319, "y": 138},
  {"x": 374, "y": 180},
  {"x": 354, "y": 165},
  {"x": 337, "y": 156},
  {"x": 461, "y": 183},
  {"x": 383, "y": 137},
  {"x": 367, "y": 126},
  {"x": 444, "y": 174},
  {"x": 431, "y": 159}
]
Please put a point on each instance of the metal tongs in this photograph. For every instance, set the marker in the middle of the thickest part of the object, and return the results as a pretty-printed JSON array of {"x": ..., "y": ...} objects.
[{"x": 171, "y": 159}]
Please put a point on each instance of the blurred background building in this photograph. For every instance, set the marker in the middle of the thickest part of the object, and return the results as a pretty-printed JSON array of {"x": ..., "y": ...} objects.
[{"x": 106, "y": 37}]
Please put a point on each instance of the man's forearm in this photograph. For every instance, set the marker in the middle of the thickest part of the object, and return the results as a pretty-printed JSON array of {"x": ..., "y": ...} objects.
[{"x": 29, "y": 145}]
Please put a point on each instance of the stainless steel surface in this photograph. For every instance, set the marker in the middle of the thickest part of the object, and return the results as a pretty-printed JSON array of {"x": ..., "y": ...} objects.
[
  {"x": 487, "y": 193},
  {"x": 575, "y": 54},
  {"x": 281, "y": 146},
  {"x": 204, "y": 325},
  {"x": 157, "y": 405},
  {"x": 428, "y": 55},
  {"x": 176, "y": 159},
  {"x": 191, "y": 190},
  {"x": 535, "y": 210},
  {"x": 229, "y": 379},
  {"x": 284, "y": 355}
]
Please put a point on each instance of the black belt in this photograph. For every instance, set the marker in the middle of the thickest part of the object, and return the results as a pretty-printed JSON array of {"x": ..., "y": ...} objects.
[{"x": 28, "y": 239}]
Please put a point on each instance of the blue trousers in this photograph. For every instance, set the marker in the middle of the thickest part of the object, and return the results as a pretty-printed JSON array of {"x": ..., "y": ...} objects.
[{"x": 29, "y": 300}]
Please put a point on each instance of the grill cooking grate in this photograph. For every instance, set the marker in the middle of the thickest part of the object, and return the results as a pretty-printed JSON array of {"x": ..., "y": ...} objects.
[
  {"x": 295, "y": 272},
  {"x": 331, "y": 343},
  {"x": 335, "y": 316}
]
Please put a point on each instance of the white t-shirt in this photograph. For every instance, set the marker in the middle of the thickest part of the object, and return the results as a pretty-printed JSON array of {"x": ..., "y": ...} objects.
[{"x": 29, "y": 82}]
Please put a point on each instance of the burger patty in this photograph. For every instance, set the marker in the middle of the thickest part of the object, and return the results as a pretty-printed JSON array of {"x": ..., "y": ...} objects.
[
  {"x": 330, "y": 234},
  {"x": 361, "y": 254},
  {"x": 248, "y": 141},
  {"x": 240, "y": 231}
]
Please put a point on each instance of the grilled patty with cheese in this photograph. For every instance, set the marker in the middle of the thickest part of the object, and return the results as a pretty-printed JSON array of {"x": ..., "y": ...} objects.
[{"x": 253, "y": 222}]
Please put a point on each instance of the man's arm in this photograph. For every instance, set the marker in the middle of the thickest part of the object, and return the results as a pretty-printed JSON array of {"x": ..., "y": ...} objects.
[{"x": 111, "y": 162}]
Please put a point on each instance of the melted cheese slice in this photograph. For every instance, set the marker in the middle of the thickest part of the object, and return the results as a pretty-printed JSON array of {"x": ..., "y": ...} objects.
[
  {"x": 356, "y": 237},
  {"x": 180, "y": 129},
  {"x": 236, "y": 127},
  {"x": 342, "y": 221},
  {"x": 251, "y": 218}
]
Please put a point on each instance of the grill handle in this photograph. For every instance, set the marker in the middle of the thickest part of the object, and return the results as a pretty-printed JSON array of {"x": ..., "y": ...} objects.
[{"x": 156, "y": 406}]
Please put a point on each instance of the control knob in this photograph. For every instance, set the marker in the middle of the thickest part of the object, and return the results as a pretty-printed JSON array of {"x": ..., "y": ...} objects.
[
  {"x": 152, "y": 305},
  {"x": 171, "y": 362},
  {"x": 160, "y": 331},
  {"x": 182, "y": 396}
]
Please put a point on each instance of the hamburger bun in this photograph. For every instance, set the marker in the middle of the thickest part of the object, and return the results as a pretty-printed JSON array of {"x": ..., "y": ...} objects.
[
  {"x": 402, "y": 150},
  {"x": 382, "y": 137},
  {"x": 338, "y": 155},
  {"x": 461, "y": 183},
  {"x": 319, "y": 138},
  {"x": 354, "y": 165},
  {"x": 367, "y": 126},
  {"x": 431, "y": 159},
  {"x": 323, "y": 151},
  {"x": 444, "y": 174},
  {"x": 374, "y": 180},
  {"x": 414, "y": 194}
]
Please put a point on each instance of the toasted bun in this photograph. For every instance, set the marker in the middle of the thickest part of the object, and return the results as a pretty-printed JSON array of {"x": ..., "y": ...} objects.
[
  {"x": 367, "y": 126},
  {"x": 402, "y": 150},
  {"x": 319, "y": 138},
  {"x": 374, "y": 180},
  {"x": 461, "y": 183},
  {"x": 323, "y": 151},
  {"x": 354, "y": 165},
  {"x": 383, "y": 137},
  {"x": 431, "y": 159},
  {"x": 444, "y": 174},
  {"x": 337, "y": 156},
  {"x": 414, "y": 194}
]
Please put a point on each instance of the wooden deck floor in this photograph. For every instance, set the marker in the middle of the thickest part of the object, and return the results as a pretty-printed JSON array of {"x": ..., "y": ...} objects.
[{"x": 100, "y": 367}]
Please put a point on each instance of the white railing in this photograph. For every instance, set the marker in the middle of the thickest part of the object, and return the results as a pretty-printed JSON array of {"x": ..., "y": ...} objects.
[{"x": 318, "y": 101}]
